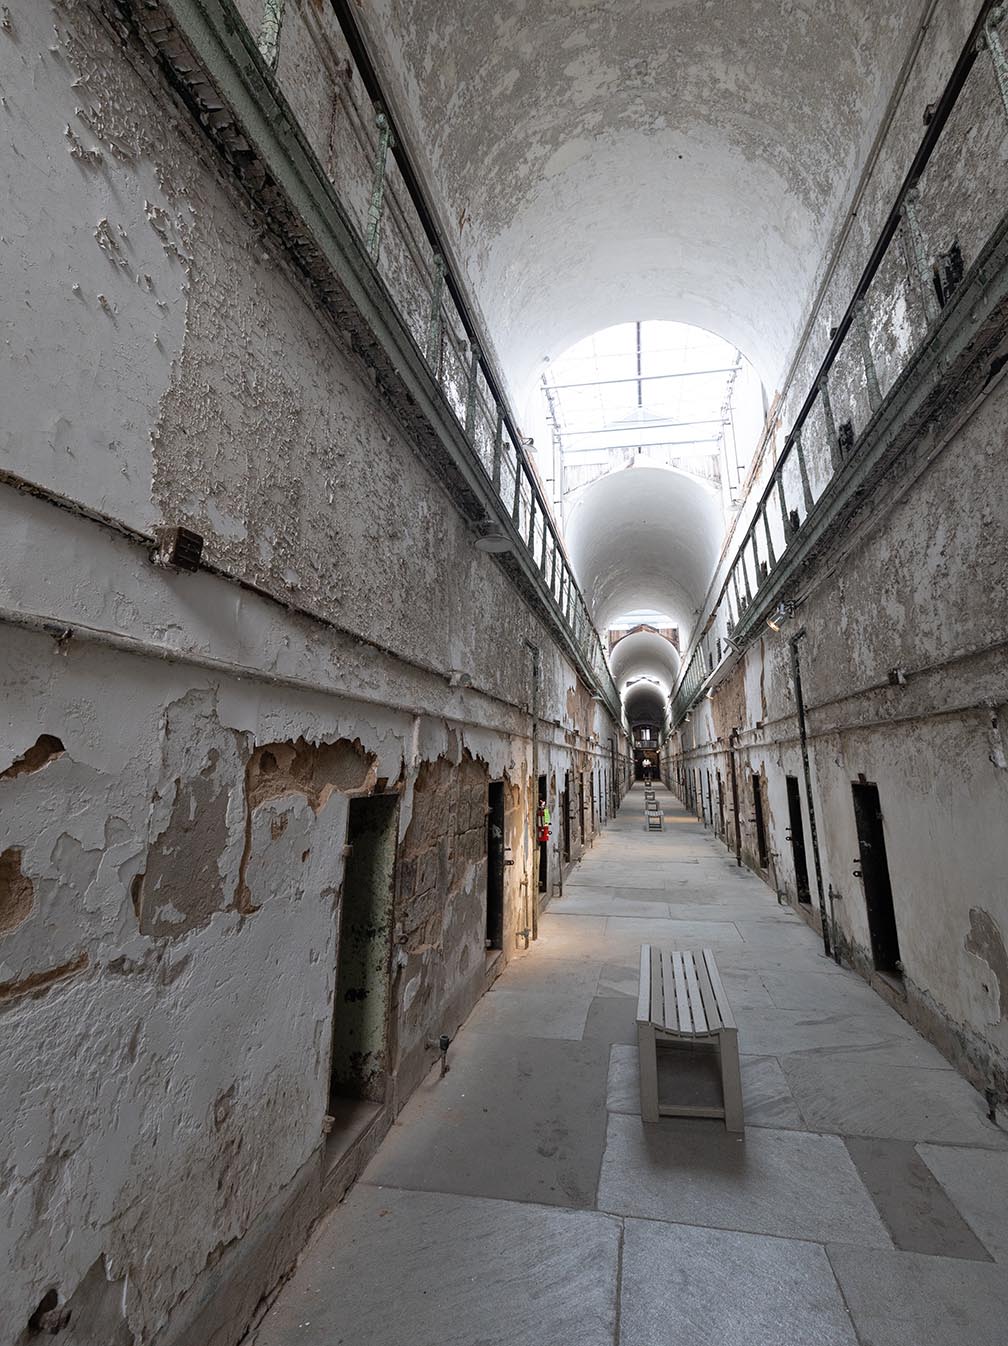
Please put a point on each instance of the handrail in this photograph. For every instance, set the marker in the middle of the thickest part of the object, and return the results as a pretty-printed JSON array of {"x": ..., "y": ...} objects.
[
  {"x": 583, "y": 629},
  {"x": 841, "y": 446}
]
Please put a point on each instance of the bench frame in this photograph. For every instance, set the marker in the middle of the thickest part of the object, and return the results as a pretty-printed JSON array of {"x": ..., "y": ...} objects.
[{"x": 682, "y": 1000}]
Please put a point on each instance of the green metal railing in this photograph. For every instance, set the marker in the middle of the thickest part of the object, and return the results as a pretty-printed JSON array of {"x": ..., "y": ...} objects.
[
  {"x": 398, "y": 230},
  {"x": 859, "y": 365}
]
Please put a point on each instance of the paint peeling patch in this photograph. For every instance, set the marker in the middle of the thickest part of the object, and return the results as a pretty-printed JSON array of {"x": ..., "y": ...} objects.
[
  {"x": 986, "y": 942},
  {"x": 313, "y": 772},
  {"x": 37, "y": 983},
  {"x": 316, "y": 771},
  {"x": 17, "y": 894},
  {"x": 45, "y": 748}
]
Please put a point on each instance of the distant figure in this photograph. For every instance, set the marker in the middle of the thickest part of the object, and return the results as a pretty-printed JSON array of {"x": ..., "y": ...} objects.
[{"x": 647, "y": 773}]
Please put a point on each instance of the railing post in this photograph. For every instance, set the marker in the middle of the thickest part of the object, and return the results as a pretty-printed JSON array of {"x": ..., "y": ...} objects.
[
  {"x": 992, "y": 41},
  {"x": 918, "y": 257},
  {"x": 434, "y": 324},
  {"x": 516, "y": 503},
  {"x": 803, "y": 472},
  {"x": 871, "y": 375},
  {"x": 782, "y": 501},
  {"x": 269, "y": 32},
  {"x": 553, "y": 568},
  {"x": 498, "y": 441},
  {"x": 745, "y": 574},
  {"x": 470, "y": 414},
  {"x": 738, "y": 600},
  {"x": 378, "y": 186},
  {"x": 771, "y": 559},
  {"x": 831, "y": 431},
  {"x": 751, "y": 541},
  {"x": 542, "y": 562},
  {"x": 532, "y": 518}
]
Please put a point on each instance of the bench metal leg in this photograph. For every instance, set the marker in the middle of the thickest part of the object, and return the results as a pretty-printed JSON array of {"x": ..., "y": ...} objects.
[
  {"x": 648, "y": 1054},
  {"x": 731, "y": 1080}
]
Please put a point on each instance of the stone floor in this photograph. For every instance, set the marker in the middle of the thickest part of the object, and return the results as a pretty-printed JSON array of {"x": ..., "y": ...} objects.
[{"x": 520, "y": 1201}]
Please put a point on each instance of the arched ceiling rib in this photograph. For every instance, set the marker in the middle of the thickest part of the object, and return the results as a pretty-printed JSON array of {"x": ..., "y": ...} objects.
[
  {"x": 645, "y": 538},
  {"x": 644, "y": 654},
  {"x": 606, "y": 161},
  {"x": 645, "y": 704}
]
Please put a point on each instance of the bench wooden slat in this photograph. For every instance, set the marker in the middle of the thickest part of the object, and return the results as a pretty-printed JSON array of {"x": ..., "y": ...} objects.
[
  {"x": 677, "y": 1013},
  {"x": 727, "y": 1018},
  {"x": 644, "y": 985},
  {"x": 656, "y": 1013},
  {"x": 714, "y": 1019},
  {"x": 700, "y": 1021}
]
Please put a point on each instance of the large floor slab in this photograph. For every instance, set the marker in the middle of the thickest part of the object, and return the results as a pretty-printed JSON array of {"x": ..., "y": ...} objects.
[
  {"x": 521, "y": 1119},
  {"x": 400, "y": 1268},
  {"x": 704, "y": 1287},
  {"x": 854, "y": 1095},
  {"x": 905, "y": 1299},
  {"x": 788, "y": 1183},
  {"x": 977, "y": 1182}
]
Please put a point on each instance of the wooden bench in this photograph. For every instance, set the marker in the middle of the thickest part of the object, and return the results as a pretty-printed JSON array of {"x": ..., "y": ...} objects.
[
  {"x": 682, "y": 1004},
  {"x": 654, "y": 822}
]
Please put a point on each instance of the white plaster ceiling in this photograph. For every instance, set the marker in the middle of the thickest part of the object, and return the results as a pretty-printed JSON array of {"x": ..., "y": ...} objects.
[
  {"x": 644, "y": 654},
  {"x": 606, "y": 161},
  {"x": 644, "y": 704},
  {"x": 602, "y": 161},
  {"x": 646, "y": 537}
]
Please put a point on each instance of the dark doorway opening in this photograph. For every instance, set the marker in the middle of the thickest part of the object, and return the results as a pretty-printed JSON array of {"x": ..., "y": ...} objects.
[
  {"x": 763, "y": 854},
  {"x": 358, "y": 1072},
  {"x": 543, "y": 845},
  {"x": 797, "y": 838},
  {"x": 495, "y": 866},
  {"x": 591, "y": 796},
  {"x": 720, "y": 804},
  {"x": 875, "y": 877},
  {"x": 565, "y": 822},
  {"x": 581, "y": 805}
]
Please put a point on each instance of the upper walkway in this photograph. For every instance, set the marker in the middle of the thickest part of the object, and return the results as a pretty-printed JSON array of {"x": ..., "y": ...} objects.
[{"x": 520, "y": 1201}]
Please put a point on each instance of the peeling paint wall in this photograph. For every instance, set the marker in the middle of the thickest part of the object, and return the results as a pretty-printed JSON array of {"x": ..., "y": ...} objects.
[
  {"x": 178, "y": 752},
  {"x": 922, "y": 588}
]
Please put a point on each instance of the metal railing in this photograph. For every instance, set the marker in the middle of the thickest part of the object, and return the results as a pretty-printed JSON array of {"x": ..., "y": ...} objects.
[
  {"x": 396, "y": 226},
  {"x": 863, "y": 361}
]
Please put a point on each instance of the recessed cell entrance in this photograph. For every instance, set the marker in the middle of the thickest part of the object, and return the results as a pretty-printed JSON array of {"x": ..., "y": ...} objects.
[
  {"x": 495, "y": 866},
  {"x": 796, "y": 830},
  {"x": 763, "y": 854},
  {"x": 875, "y": 877},
  {"x": 360, "y": 1015}
]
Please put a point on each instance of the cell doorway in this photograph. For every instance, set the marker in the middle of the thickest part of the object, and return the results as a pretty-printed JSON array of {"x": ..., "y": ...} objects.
[
  {"x": 495, "y": 866},
  {"x": 543, "y": 845},
  {"x": 763, "y": 854},
  {"x": 359, "y": 1064},
  {"x": 875, "y": 878},
  {"x": 796, "y": 835}
]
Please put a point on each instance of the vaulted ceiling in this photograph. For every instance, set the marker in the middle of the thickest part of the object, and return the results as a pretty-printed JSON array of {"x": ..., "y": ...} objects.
[{"x": 601, "y": 161}]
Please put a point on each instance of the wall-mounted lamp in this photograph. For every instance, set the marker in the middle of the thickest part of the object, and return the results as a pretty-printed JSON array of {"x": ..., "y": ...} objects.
[
  {"x": 782, "y": 614},
  {"x": 493, "y": 541}
]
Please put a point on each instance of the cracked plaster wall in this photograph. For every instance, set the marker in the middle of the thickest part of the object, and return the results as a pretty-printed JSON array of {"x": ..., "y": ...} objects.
[
  {"x": 170, "y": 873},
  {"x": 926, "y": 590}
]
